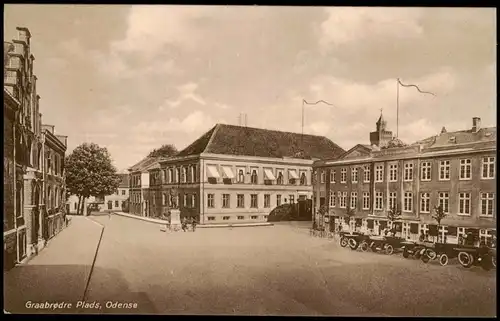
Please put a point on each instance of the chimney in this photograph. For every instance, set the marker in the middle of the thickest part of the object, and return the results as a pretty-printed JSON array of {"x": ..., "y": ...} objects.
[
  {"x": 443, "y": 130},
  {"x": 476, "y": 124}
]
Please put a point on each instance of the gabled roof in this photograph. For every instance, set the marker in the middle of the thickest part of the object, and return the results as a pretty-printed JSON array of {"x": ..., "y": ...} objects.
[
  {"x": 487, "y": 134},
  {"x": 247, "y": 141},
  {"x": 356, "y": 151},
  {"x": 143, "y": 164}
]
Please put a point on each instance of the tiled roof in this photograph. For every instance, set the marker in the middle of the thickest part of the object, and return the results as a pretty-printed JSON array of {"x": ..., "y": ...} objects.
[
  {"x": 124, "y": 180},
  {"x": 460, "y": 137},
  {"x": 247, "y": 141},
  {"x": 143, "y": 164}
]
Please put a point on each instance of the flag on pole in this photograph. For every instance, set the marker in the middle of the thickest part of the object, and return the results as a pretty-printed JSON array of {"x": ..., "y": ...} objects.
[{"x": 421, "y": 91}]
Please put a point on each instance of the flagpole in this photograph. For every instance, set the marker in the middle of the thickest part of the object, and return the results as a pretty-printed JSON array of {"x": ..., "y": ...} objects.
[
  {"x": 302, "y": 137},
  {"x": 397, "y": 108}
]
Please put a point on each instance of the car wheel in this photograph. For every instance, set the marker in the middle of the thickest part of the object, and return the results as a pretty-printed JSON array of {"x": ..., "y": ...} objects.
[
  {"x": 465, "y": 259},
  {"x": 431, "y": 254},
  {"x": 389, "y": 249},
  {"x": 443, "y": 259},
  {"x": 343, "y": 242},
  {"x": 353, "y": 244},
  {"x": 364, "y": 246}
]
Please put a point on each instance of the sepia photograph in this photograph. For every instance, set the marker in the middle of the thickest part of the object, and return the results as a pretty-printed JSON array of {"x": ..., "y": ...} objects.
[{"x": 249, "y": 160}]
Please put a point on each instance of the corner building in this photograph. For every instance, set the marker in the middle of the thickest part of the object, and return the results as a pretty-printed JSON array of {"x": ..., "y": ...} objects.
[
  {"x": 453, "y": 169},
  {"x": 235, "y": 174}
]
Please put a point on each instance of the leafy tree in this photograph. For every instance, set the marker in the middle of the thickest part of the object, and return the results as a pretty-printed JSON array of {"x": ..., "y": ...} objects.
[
  {"x": 439, "y": 215},
  {"x": 90, "y": 172},
  {"x": 165, "y": 150},
  {"x": 393, "y": 215}
]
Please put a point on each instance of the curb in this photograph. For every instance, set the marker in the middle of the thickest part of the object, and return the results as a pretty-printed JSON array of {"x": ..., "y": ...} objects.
[
  {"x": 95, "y": 256},
  {"x": 156, "y": 221}
]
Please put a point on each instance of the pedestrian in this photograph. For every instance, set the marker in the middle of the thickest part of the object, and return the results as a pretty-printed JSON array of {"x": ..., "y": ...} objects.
[
  {"x": 193, "y": 224},
  {"x": 184, "y": 224}
]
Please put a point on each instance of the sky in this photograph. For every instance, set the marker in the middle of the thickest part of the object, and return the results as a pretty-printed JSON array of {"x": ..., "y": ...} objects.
[{"x": 131, "y": 78}]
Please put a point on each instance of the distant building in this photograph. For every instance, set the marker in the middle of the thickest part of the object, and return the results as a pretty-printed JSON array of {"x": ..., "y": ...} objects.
[
  {"x": 116, "y": 201},
  {"x": 235, "y": 174},
  {"x": 139, "y": 186},
  {"x": 453, "y": 169}
]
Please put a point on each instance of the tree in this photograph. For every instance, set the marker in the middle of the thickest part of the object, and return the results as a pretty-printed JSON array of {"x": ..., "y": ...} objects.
[
  {"x": 393, "y": 215},
  {"x": 165, "y": 150},
  {"x": 90, "y": 172},
  {"x": 439, "y": 214}
]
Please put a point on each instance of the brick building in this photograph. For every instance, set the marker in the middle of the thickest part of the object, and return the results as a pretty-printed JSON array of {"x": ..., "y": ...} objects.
[
  {"x": 453, "y": 169},
  {"x": 235, "y": 174},
  {"x": 25, "y": 215}
]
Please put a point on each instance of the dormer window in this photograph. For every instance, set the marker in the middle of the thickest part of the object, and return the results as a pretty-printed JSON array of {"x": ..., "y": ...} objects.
[{"x": 452, "y": 139}]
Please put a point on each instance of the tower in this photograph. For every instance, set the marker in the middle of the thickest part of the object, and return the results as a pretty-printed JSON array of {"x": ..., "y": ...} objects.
[{"x": 381, "y": 136}]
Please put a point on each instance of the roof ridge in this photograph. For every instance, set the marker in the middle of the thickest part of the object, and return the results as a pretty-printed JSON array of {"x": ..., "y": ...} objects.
[
  {"x": 215, "y": 129},
  {"x": 273, "y": 130}
]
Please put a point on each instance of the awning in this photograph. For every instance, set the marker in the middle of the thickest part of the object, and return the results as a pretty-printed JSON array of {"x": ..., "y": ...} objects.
[
  {"x": 269, "y": 174},
  {"x": 228, "y": 172},
  {"x": 212, "y": 171},
  {"x": 293, "y": 174}
]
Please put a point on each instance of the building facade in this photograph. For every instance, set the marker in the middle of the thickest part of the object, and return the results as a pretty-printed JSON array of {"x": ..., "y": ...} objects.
[
  {"x": 139, "y": 186},
  {"x": 117, "y": 200},
  {"x": 236, "y": 174},
  {"x": 25, "y": 221},
  {"x": 454, "y": 170}
]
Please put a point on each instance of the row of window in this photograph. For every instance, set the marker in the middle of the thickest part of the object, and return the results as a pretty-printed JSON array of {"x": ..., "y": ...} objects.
[
  {"x": 465, "y": 171},
  {"x": 239, "y": 217},
  {"x": 123, "y": 192},
  {"x": 240, "y": 200},
  {"x": 269, "y": 175},
  {"x": 464, "y": 204}
]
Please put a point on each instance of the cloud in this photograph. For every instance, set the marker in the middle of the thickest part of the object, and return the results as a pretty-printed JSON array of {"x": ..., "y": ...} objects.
[
  {"x": 350, "y": 25},
  {"x": 186, "y": 93}
]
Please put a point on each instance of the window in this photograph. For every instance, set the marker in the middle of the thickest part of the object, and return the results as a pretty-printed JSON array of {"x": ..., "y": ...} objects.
[
  {"x": 425, "y": 171},
  {"x": 116, "y": 204},
  {"x": 240, "y": 200},
  {"x": 241, "y": 217},
  {"x": 332, "y": 176},
  {"x": 193, "y": 200},
  {"x": 210, "y": 200},
  {"x": 465, "y": 169},
  {"x": 170, "y": 175},
  {"x": 354, "y": 174},
  {"x": 163, "y": 175},
  {"x": 241, "y": 176},
  {"x": 253, "y": 201},
  {"x": 332, "y": 199},
  {"x": 267, "y": 200},
  {"x": 254, "y": 177},
  {"x": 464, "y": 203},
  {"x": 279, "y": 181},
  {"x": 264, "y": 217},
  {"x": 343, "y": 175},
  {"x": 123, "y": 192},
  {"x": 366, "y": 200},
  {"x": 225, "y": 201},
  {"x": 253, "y": 217},
  {"x": 379, "y": 202},
  {"x": 343, "y": 199},
  {"x": 185, "y": 200},
  {"x": 354, "y": 200},
  {"x": 444, "y": 170},
  {"x": 75, "y": 205},
  {"x": 488, "y": 167},
  {"x": 323, "y": 174},
  {"x": 226, "y": 218},
  {"x": 211, "y": 218},
  {"x": 177, "y": 175},
  {"x": 303, "y": 179},
  {"x": 163, "y": 199},
  {"x": 393, "y": 172},
  {"x": 408, "y": 202},
  {"x": 184, "y": 175},
  {"x": 487, "y": 200},
  {"x": 392, "y": 199},
  {"x": 292, "y": 199},
  {"x": 379, "y": 173},
  {"x": 278, "y": 200},
  {"x": 408, "y": 176},
  {"x": 425, "y": 202},
  {"x": 193, "y": 174},
  {"x": 444, "y": 201},
  {"x": 366, "y": 173}
]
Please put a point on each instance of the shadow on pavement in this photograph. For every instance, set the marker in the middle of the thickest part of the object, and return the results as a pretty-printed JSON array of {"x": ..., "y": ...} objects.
[{"x": 26, "y": 287}]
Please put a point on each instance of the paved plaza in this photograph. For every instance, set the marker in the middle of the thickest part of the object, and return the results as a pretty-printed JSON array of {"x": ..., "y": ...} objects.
[{"x": 276, "y": 270}]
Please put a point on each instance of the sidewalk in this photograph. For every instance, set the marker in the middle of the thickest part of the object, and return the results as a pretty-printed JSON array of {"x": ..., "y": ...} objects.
[
  {"x": 157, "y": 221},
  {"x": 58, "y": 274}
]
